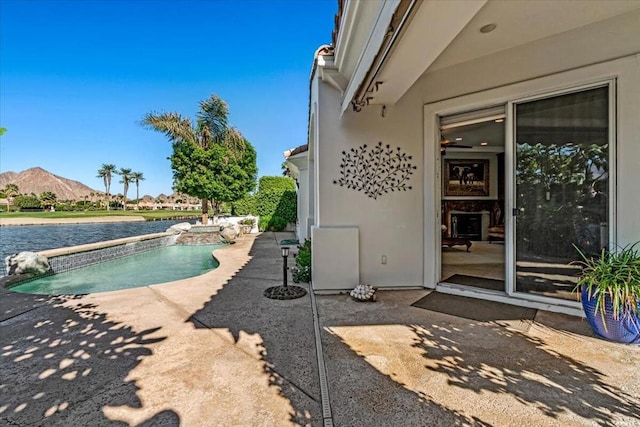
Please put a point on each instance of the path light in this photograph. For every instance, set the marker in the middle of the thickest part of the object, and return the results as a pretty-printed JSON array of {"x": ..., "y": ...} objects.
[{"x": 284, "y": 291}]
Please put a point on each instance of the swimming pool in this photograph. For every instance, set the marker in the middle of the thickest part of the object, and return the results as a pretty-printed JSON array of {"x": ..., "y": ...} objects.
[{"x": 161, "y": 265}]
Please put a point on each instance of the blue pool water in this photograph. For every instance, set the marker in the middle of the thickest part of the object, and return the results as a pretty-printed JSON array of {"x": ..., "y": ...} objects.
[
  {"x": 37, "y": 238},
  {"x": 160, "y": 265}
]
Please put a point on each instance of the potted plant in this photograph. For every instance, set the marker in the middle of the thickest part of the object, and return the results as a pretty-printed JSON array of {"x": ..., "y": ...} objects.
[
  {"x": 609, "y": 288},
  {"x": 247, "y": 224}
]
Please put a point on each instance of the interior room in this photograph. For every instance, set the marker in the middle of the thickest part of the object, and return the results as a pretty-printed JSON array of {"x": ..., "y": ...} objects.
[{"x": 472, "y": 204}]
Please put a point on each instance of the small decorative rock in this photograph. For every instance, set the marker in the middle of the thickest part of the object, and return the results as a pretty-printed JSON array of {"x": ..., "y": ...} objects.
[
  {"x": 363, "y": 292},
  {"x": 26, "y": 262},
  {"x": 178, "y": 228}
]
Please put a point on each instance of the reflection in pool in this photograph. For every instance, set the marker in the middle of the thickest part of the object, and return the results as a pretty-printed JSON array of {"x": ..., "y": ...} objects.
[{"x": 160, "y": 265}]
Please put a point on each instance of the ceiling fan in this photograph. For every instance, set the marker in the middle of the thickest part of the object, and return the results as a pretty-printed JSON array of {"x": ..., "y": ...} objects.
[{"x": 444, "y": 143}]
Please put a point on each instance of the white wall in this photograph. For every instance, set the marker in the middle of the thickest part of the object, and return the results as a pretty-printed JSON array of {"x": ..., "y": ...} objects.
[
  {"x": 390, "y": 225},
  {"x": 404, "y": 226}
]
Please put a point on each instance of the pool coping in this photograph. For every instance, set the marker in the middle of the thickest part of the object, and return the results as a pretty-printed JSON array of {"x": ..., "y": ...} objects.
[{"x": 57, "y": 257}]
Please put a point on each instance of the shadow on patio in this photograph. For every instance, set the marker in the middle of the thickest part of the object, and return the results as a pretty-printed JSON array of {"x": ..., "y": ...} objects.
[
  {"x": 62, "y": 358},
  {"x": 402, "y": 365},
  {"x": 278, "y": 333}
]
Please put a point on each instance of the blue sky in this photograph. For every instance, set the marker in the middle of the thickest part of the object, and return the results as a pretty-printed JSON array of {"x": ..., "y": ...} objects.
[{"x": 76, "y": 77}]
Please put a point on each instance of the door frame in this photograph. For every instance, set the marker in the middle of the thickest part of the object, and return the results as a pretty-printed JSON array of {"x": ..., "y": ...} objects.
[{"x": 590, "y": 76}]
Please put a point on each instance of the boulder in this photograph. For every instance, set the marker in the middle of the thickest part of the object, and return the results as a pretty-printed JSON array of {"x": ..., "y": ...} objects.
[
  {"x": 228, "y": 234},
  {"x": 26, "y": 262},
  {"x": 230, "y": 224},
  {"x": 179, "y": 228}
]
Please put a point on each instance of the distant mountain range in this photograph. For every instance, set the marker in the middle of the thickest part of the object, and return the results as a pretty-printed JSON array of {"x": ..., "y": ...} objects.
[{"x": 37, "y": 180}]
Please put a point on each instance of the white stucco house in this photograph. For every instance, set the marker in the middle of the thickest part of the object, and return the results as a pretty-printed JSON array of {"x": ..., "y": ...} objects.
[{"x": 471, "y": 146}]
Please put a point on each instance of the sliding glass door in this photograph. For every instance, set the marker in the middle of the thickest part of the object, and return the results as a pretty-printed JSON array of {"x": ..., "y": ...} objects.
[{"x": 562, "y": 191}]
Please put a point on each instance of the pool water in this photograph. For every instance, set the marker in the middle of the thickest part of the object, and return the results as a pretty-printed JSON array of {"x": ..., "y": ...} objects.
[{"x": 160, "y": 265}]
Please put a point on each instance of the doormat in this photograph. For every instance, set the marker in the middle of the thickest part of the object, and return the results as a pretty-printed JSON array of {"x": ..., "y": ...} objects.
[
  {"x": 478, "y": 282},
  {"x": 474, "y": 309}
]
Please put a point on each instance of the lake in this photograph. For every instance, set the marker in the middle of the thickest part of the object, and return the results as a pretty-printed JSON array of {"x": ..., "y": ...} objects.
[{"x": 35, "y": 238}]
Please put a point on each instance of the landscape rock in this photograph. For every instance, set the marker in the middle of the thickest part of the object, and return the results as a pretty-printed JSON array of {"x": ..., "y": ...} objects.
[
  {"x": 179, "y": 228},
  {"x": 228, "y": 234},
  {"x": 26, "y": 262}
]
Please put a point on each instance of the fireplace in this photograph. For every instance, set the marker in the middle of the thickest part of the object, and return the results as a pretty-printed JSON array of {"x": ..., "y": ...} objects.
[{"x": 469, "y": 225}]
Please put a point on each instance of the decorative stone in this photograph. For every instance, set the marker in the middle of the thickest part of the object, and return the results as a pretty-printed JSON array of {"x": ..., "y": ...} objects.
[
  {"x": 228, "y": 234},
  {"x": 363, "y": 292},
  {"x": 179, "y": 228},
  {"x": 26, "y": 262}
]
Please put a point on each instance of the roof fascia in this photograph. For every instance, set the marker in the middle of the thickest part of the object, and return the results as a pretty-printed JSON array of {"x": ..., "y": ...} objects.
[
  {"x": 345, "y": 35},
  {"x": 376, "y": 37}
]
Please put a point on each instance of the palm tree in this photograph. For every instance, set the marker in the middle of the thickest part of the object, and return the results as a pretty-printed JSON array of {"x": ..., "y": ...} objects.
[
  {"x": 136, "y": 177},
  {"x": 210, "y": 128},
  {"x": 10, "y": 190},
  {"x": 105, "y": 172},
  {"x": 125, "y": 173}
]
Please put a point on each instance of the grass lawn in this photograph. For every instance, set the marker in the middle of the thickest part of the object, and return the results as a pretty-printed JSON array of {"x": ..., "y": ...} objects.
[{"x": 148, "y": 215}]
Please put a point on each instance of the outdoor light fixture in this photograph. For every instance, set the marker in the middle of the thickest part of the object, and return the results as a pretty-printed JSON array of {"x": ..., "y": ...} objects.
[{"x": 284, "y": 291}]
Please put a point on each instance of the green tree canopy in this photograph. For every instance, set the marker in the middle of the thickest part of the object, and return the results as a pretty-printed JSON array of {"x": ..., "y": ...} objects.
[
  {"x": 210, "y": 159},
  {"x": 48, "y": 199}
]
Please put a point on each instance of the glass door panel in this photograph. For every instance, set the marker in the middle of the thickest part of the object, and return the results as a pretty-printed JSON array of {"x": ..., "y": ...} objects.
[{"x": 561, "y": 188}]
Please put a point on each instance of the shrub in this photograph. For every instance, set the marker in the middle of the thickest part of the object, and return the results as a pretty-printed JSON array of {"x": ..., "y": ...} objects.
[
  {"x": 276, "y": 183},
  {"x": 277, "y": 224},
  {"x": 247, "y": 221},
  {"x": 302, "y": 273},
  {"x": 245, "y": 206},
  {"x": 276, "y": 197},
  {"x": 263, "y": 223},
  {"x": 25, "y": 201}
]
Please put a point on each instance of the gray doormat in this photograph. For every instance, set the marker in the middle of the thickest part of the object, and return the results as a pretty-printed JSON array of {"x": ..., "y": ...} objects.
[
  {"x": 478, "y": 282},
  {"x": 473, "y": 308}
]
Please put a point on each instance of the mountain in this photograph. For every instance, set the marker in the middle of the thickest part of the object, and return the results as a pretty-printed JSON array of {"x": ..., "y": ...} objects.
[{"x": 37, "y": 180}]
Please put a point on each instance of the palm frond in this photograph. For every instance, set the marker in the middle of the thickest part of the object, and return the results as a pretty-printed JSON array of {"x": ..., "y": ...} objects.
[
  {"x": 212, "y": 119},
  {"x": 234, "y": 141},
  {"x": 173, "y": 125}
]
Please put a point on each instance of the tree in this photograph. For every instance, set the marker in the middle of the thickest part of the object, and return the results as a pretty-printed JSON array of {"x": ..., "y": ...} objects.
[
  {"x": 136, "y": 177},
  {"x": 10, "y": 190},
  {"x": 106, "y": 172},
  {"x": 2, "y": 131},
  {"x": 125, "y": 173},
  {"x": 30, "y": 201},
  {"x": 210, "y": 160},
  {"x": 48, "y": 199}
]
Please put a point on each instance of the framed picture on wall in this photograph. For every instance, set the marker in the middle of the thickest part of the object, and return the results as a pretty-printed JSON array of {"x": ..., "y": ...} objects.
[{"x": 466, "y": 177}]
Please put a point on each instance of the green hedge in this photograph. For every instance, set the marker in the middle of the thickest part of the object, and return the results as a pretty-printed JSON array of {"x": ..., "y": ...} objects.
[
  {"x": 275, "y": 203},
  {"x": 276, "y": 183},
  {"x": 245, "y": 206}
]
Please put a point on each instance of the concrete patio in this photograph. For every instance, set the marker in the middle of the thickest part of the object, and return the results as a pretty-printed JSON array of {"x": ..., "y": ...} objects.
[{"x": 212, "y": 351}]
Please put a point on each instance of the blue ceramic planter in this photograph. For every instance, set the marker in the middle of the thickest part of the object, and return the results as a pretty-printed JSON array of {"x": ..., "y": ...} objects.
[{"x": 624, "y": 330}]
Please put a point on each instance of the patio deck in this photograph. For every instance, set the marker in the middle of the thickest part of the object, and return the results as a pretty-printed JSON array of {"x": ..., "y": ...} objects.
[{"x": 212, "y": 350}]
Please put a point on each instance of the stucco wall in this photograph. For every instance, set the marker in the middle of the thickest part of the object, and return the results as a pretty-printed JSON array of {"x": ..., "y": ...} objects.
[
  {"x": 389, "y": 225},
  {"x": 404, "y": 226}
]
